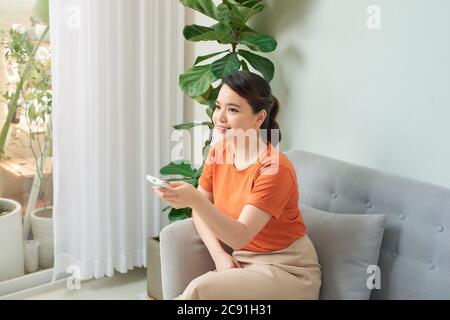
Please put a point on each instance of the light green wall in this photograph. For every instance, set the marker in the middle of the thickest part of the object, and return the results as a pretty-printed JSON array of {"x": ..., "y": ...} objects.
[{"x": 378, "y": 98}]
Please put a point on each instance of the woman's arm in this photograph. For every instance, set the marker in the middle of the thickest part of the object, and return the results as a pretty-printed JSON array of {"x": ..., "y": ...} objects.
[
  {"x": 209, "y": 239},
  {"x": 235, "y": 233}
]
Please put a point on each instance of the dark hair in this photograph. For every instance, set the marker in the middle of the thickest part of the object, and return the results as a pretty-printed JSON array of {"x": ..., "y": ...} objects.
[{"x": 256, "y": 90}]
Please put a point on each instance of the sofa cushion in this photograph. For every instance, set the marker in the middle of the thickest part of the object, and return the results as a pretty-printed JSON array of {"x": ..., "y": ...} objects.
[{"x": 346, "y": 245}]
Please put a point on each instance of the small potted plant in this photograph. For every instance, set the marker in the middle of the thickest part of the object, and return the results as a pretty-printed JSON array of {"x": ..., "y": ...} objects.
[
  {"x": 37, "y": 106},
  {"x": 36, "y": 103}
]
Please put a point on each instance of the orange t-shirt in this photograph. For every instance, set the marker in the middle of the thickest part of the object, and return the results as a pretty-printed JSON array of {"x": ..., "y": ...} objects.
[{"x": 269, "y": 184}]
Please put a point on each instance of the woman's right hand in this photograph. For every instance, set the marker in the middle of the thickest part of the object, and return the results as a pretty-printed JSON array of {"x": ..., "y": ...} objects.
[{"x": 224, "y": 261}]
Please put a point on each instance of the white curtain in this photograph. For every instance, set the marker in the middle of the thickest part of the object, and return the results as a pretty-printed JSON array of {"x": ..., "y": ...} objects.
[{"x": 115, "y": 68}]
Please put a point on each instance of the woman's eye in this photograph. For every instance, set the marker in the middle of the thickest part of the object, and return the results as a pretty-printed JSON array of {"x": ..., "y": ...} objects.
[
  {"x": 217, "y": 107},
  {"x": 233, "y": 110}
]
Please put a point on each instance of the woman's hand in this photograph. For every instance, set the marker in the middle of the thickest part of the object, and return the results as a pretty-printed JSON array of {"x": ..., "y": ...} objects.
[
  {"x": 183, "y": 194},
  {"x": 224, "y": 261}
]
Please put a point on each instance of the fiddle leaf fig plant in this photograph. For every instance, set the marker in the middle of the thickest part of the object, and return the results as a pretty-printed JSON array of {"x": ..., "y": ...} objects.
[{"x": 202, "y": 80}]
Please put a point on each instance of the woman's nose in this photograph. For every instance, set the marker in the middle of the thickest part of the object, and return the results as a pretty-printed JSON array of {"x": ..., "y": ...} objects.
[{"x": 221, "y": 115}]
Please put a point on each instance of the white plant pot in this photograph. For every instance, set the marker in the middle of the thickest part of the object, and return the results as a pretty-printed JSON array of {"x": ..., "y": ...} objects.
[
  {"x": 11, "y": 241},
  {"x": 42, "y": 229}
]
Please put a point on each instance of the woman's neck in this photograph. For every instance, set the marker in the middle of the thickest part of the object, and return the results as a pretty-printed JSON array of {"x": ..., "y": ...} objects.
[{"x": 248, "y": 153}]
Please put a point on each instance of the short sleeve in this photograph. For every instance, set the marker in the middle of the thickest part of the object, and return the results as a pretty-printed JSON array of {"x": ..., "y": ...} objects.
[
  {"x": 272, "y": 192},
  {"x": 206, "y": 178}
]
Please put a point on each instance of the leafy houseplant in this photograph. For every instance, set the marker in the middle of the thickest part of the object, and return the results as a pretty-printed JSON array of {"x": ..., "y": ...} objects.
[
  {"x": 36, "y": 102},
  {"x": 35, "y": 96},
  {"x": 202, "y": 80},
  {"x": 29, "y": 88},
  {"x": 24, "y": 51}
]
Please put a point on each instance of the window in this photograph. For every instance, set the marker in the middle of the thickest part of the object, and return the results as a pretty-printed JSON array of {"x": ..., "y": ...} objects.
[{"x": 26, "y": 163}]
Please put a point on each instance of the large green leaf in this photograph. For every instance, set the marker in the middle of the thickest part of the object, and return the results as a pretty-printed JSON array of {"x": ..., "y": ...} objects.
[
  {"x": 223, "y": 33},
  {"x": 179, "y": 214},
  {"x": 244, "y": 65},
  {"x": 225, "y": 16},
  {"x": 212, "y": 101},
  {"x": 210, "y": 95},
  {"x": 197, "y": 80},
  {"x": 262, "y": 64},
  {"x": 199, "y": 33},
  {"x": 225, "y": 66},
  {"x": 203, "y": 99},
  {"x": 209, "y": 111},
  {"x": 259, "y": 42},
  {"x": 207, "y": 7},
  {"x": 209, "y": 56},
  {"x": 245, "y": 3},
  {"x": 250, "y": 3},
  {"x": 214, "y": 94},
  {"x": 182, "y": 168},
  {"x": 247, "y": 29},
  {"x": 243, "y": 14},
  {"x": 231, "y": 3},
  {"x": 189, "y": 125}
]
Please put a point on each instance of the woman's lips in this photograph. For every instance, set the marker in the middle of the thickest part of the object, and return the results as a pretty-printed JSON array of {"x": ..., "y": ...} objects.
[{"x": 221, "y": 129}]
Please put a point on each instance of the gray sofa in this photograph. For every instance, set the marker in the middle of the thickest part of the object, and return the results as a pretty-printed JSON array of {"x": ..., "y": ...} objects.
[{"x": 414, "y": 258}]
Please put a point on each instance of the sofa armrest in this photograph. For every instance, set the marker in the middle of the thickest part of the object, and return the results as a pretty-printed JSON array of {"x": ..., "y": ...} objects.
[{"x": 184, "y": 257}]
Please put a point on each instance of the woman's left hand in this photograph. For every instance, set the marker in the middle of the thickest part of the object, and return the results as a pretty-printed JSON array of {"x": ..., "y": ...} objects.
[{"x": 183, "y": 194}]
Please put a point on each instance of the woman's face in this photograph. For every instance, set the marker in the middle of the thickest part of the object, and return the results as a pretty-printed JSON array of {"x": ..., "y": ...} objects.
[{"x": 233, "y": 112}]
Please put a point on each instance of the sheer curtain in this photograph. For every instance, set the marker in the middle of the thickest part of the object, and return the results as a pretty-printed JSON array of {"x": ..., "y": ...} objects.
[{"x": 115, "y": 68}]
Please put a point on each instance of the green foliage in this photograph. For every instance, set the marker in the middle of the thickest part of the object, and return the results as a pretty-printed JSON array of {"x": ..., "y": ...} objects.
[
  {"x": 201, "y": 81},
  {"x": 30, "y": 92},
  {"x": 231, "y": 28},
  {"x": 22, "y": 51}
]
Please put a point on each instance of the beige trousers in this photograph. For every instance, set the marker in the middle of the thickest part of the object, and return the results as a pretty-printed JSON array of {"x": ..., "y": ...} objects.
[{"x": 292, "y": 273}]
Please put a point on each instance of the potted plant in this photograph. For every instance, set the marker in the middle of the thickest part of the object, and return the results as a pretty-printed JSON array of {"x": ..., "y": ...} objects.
[
  {"x": 39, "y": 112},
  {"x": 26, "y": 54},
  {"x": 201, "y": 84},
  {"x": 23, "y": 51},
  {"x": 11, "y": 254},
  {"x": 37, "y": 106}
]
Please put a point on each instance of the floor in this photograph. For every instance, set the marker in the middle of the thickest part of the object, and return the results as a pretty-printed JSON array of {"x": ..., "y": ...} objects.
[{"x": 129, "y": 286}]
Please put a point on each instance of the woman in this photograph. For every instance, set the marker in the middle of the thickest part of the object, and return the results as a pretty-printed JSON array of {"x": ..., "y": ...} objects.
[{"x": 248, "y": 198}]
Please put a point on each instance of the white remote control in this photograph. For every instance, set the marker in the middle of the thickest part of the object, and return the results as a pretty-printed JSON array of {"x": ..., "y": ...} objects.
[{"x": 158, "y": 182}]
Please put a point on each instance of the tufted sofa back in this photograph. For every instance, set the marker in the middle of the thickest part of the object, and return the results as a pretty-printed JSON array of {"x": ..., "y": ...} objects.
[{"x": 415, "y": 252}]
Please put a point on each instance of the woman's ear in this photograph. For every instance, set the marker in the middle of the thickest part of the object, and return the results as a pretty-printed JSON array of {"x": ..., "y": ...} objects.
[{"x": 261, "y": 117}]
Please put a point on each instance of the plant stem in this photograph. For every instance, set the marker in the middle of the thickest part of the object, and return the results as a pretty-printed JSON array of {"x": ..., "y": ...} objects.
[
  {"x": 12, "y": 106},
  {"x": 236, "y": 36}
]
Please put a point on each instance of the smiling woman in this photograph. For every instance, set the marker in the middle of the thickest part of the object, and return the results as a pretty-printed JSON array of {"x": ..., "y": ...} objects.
[
  {"x": 251, "y": 206},
  {"x": 246, "y": 102}
]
